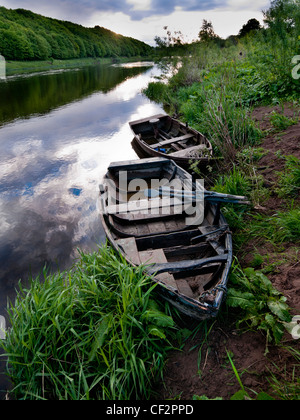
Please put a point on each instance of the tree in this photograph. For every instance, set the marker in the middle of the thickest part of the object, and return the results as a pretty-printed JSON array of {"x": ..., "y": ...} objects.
[
  {"x": 251, "y": 25},
  {"x": 175, "y": 39},
  {"x": 207, "y": 32},
  {"x": 25, "y": 35},
  {"x": 283, "y": 15}
]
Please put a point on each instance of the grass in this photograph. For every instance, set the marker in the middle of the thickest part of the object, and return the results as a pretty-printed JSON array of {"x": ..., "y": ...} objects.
[
  {"x": 92, "y": 333},
  {"x": 96, "y": 332},
  {"x": 281, "y": 122},
  {"x": 24, "y": 67},
  {"x": 278, "y": 228},
  {"x": 289, "y": 182}
]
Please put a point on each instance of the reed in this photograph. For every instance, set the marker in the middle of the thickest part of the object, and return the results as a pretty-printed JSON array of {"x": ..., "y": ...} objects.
[{"x": 90, "y": 333}]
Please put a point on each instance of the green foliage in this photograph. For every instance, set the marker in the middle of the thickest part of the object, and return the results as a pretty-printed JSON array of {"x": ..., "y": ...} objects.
[
  {"x": 251, "y": 25},
  {"x": 27, "y": 36},
  {"x": 288, "y": 225},
  {"x": 289, "y": 181},
  {"x": 204, "y": 398},
  {"x": 281, "y": 122},
  {"x": 91, "y": 333},
  {"x": 156, "y": 91},
  {"x": 277, "y": 229},
  {"x": 235, "y": 183},
  {"x": 251, "y": 155},
  {"x": 264, "y": 308}
]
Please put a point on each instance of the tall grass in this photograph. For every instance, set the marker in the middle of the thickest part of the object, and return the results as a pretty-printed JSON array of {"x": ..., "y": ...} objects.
[{"x": 92, "y": 333}]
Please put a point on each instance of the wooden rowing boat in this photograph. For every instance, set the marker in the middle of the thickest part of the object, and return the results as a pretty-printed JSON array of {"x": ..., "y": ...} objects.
[
  {"x": 190, "y": 264},
  {"x": 163, "y": 136}
]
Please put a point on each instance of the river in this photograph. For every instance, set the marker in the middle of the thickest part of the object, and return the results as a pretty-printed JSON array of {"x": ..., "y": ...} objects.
[{"x": 58, "y": 133}]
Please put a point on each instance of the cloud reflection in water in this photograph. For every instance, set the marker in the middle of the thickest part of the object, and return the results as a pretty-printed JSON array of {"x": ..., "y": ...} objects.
[{"x": 50, "y": 169}]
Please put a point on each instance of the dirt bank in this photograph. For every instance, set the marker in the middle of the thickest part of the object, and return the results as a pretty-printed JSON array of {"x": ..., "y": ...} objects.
[{"x": 203, "y": 367}]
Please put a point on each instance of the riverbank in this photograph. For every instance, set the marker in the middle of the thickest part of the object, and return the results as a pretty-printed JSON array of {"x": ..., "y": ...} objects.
[
  {"x": 266, "y": 246},
  {"x": 250, "y": 111},
  {"x": 26, "y": 67}
]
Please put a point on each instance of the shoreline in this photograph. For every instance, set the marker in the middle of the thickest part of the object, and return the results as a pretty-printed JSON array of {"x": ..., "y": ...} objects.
[{"x": 14, "y": 68}]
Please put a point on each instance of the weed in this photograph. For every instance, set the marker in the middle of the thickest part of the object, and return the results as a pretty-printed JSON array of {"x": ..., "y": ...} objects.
[
  {"x": 251, "y": 155},
  {"x": 235, "y": 183},
  {"x": 280, "y": 122},
  {"x": 242, "y": 394},
  {"x": 264, "y": 308},
  {"x": 286, "y": 383},
  {"x": 289, "y": 181},
  {"x": 276, "y": 229},
  {"x": 288, "y": 225}
]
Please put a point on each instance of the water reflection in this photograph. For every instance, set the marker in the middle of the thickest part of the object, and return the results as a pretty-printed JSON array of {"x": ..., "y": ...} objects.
[
  {"x": 37, "y": 94},
  {"x": 53, "y": 159}
]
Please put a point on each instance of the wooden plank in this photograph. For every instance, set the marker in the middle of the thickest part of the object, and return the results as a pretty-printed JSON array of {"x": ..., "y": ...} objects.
[
  {"x": 186, "y": 250},
  {"x": 129, "y": 247},
  {"x": 213, "y": 239},
  {"x": 167, "y": 240},
  {"x": 145, "y": 120},
  {"x": 132, "y": 165},
  {"x": 191, "y": 265},
  {"x": 144, "y": 217},
  {"x": 183, "y": 153},
  {"x": 146, "y": 205},
  {"x": 184, "y": 288},
  {"x": 157, "y": 227},
  {"x": 173, "y": 140},
  {"x": 157, "y": 256}
]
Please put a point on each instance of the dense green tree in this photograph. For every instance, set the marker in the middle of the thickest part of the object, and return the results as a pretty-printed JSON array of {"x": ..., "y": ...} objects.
[
  {"x": 283, "y": 15},
  {"x": 25, "y": 35},
  {"x": 207, "y": 32},
  {"x": 250, "y": 26}
]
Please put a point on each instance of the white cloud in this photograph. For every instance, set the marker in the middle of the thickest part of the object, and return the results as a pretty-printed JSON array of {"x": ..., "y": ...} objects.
[
  {"x": 145, "y": 19},
  {"x": 140, "y": 5},
  {"x": 225, "y": 22},
  {"x": 256, "y": 5}
]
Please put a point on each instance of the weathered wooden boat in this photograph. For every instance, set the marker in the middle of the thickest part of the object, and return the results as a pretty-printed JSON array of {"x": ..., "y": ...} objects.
[
  {"x": 190, "y": 264},
  {"x": 163, "y": 136}
]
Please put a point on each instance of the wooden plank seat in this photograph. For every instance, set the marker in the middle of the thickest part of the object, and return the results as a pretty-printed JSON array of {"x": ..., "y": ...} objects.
[
  {"x": 157, "y": 256},
  {"x": 213, "y": 239},
  {"x": 172, "y": 140},
  {"x": 178, "y": 267},
  {"x": 145, "y": 205}
]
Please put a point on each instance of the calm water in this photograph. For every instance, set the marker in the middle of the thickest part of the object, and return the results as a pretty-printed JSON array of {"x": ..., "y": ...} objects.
[{"x": 58, "y": 134}]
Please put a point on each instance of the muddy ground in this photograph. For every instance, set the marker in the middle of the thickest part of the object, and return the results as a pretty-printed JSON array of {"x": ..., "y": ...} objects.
[{"x": 202, "y": 367}]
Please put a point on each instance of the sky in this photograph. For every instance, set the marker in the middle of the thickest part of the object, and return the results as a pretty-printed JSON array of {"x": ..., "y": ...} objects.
[{"x": 145, "y": 19}]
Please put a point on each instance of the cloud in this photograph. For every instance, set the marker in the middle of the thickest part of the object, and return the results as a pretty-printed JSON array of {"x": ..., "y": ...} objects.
[
  {"x": 137, "y": 9},
  {"x": 144, "y": 19}
]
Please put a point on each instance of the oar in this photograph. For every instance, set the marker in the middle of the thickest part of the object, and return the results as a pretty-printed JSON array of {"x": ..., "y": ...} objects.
[{"x": 211, "y": 196}]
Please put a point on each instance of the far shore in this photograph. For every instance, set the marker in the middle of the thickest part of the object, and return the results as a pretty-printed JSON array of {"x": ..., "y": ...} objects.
[{"x": 25, "y": 67}]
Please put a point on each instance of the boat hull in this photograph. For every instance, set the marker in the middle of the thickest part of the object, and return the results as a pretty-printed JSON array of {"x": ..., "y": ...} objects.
[
  {"x": 183, "y": 153},
  {"x": 190, "y": 264}
]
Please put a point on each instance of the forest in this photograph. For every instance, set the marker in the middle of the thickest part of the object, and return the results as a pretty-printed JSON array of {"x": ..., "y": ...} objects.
[{"x": 27, "y": 36}]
